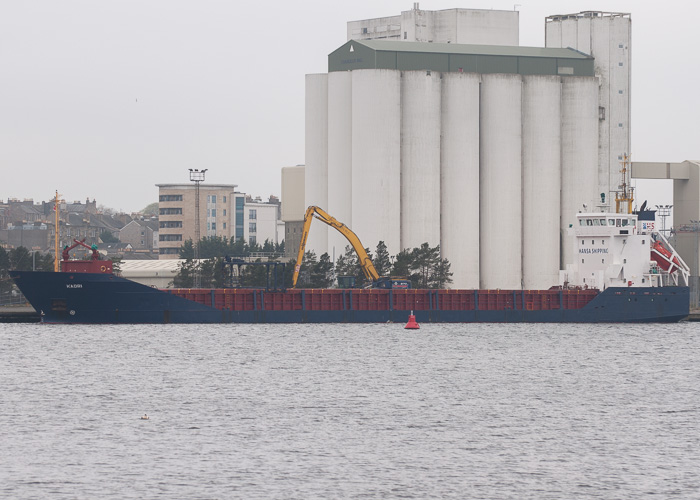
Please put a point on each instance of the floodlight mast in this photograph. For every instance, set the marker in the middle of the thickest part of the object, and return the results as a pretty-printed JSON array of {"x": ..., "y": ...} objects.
[{"x": 197, "y": 176}]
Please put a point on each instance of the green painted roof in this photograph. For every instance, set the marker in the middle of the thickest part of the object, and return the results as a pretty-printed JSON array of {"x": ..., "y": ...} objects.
[{"x": 410, "y": 56}]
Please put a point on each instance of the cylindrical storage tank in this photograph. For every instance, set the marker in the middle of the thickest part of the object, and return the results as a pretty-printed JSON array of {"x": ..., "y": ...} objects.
[
  {"x": 459, "y": 177},
  {"x": 339, "y": 157},
  {"x": 376, "y": 157},
  {"x": 579, "y": 154},
  {"x": 541, "y": 180},
  {"x": 316, "y": 152},
  {"x": 420, "y": 159},
  {"x": 501, "y": 183}
]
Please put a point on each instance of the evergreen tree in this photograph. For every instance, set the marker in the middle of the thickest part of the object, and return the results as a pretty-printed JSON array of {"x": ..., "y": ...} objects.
[
  {"x": 424, "y": 260},
  {"x": 402, "y": 264},
  {"x": 185, "y": 274},
  {"x": 20, "y": 259},
  {"x": 187, "y": 250},
  {"x": 442, "y": 275},
  {"x": 322, "y": 275},
  {"x": 382, "y": 261},
  {"x": 116, "y": 264},
  {"x": 307, "y": 265},
  {"x": 108, "y": 237},
  {"x": 5, "y": 281}
]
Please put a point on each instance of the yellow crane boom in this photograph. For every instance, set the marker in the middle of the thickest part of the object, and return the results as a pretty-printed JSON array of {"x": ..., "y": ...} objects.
[{"x": 316, "y": 213}]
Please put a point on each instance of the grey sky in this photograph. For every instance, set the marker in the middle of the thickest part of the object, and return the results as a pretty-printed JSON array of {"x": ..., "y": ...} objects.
[{"x": 104, "y": 99}]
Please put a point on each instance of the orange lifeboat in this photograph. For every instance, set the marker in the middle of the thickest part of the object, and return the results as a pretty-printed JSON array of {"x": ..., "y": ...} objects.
[{"x": 662, "y": 256}]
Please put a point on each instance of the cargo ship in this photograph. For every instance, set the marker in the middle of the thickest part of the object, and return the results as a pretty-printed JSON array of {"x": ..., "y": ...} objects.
[{"x": 625, "y": 271}]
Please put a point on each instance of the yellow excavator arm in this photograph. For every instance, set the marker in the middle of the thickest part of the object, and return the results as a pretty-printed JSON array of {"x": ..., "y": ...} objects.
[{"x": 315, "y": 212}]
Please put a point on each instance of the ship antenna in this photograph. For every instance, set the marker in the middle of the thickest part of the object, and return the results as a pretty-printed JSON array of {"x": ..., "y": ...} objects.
[{"x": 625, "y": 194}]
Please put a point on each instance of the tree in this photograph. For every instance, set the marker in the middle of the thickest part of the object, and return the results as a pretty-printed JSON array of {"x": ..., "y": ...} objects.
[
  {"x": 108, "y": 237},
  {"x": 187, "y": 250},
  {"x": 20, "y": 259},
  {"x": 424, "y": 260},
  {"x": 116, "y": 264},
  {"x": 307, "y": 264},
  {"x": 402, "y": 264},
  {"x": 322, "y": 275},
  {"x": 185, "y": 274},
  {"x": 213, "y": 246},
  {"x": 150, "y": 209},
  {"x": 382, "y": 261}
]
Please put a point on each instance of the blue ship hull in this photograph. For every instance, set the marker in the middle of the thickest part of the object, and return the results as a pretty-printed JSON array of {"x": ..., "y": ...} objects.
[{"x": 108, "y": 299}]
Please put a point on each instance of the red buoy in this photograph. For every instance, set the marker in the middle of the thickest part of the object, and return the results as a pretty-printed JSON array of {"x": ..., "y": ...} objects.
[{"x": 412, "y": 325}]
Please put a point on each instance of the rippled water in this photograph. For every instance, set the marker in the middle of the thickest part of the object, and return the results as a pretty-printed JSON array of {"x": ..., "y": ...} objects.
[{"x": 350, "y": 411}]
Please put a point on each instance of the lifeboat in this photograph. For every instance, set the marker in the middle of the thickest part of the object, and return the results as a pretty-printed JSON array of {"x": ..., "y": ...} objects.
[{"x": 664, "y": 258}]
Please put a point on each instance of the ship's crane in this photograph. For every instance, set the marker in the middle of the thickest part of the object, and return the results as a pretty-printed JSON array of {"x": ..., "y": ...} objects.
[
  {"x": 314, "y": 212},
  {"x": 95, "y": 254}
]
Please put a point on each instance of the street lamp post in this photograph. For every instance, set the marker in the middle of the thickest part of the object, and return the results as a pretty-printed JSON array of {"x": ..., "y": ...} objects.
[{"x": 196, "y": 176}]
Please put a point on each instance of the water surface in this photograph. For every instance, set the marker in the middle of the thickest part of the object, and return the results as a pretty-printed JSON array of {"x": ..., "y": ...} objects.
[{"x": 350, "y": 411}]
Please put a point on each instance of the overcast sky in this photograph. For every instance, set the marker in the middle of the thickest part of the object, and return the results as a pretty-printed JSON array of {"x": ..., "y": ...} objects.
[{"x": 105, "y": 99}]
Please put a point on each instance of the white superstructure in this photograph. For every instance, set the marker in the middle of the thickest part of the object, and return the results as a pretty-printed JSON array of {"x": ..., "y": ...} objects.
[{"x": 618, "y": 250}]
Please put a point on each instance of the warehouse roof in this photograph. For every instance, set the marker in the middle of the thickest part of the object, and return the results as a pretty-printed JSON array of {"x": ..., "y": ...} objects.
[{"x": 452, "y": 57}]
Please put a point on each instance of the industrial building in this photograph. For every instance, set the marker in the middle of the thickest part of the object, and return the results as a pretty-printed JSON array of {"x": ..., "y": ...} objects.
[{"x": 487, "y": 148}]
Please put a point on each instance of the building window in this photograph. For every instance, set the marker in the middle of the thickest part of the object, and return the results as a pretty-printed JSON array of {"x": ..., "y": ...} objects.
[
  {"x": 169, "y": 237},
  {"x": 224, "y": 225},
  {"x": 252, "y": 240},
  {"x": 602, "y": 261},
  {"x": 168, "y": 251},
  {"x": 621, "y": 46},
  {"x": 619, "y": 125},
  {"x": 224, "y": 199},
  {"x": 619, "y": 91},
  {"x": 213, "y": 212},
  {"x": 170, "y": 224},
  {"x": 213, "y": 226},
  {"x": 224, "y": 212},
  {"x": 170, "y": 211},
  {"x": 170, "y": 197},
  {"x": 619, "y": 64},
  {"x": 252, "y": 227},
  {"x": 253, "y": 214},
  {"x": 582, "y": 261},
  {"x": 213, "y": 199}
]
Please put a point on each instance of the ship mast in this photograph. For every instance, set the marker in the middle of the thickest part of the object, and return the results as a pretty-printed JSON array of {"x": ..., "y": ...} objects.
[
  {"x": 625, "y": 194},
  {"x": 56, "y": 263}
]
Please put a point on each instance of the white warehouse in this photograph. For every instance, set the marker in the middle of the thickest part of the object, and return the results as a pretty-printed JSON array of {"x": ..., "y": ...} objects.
[{"x": 487, "y": 150}]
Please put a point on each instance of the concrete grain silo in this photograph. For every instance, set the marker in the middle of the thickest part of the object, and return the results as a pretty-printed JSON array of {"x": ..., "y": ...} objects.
[
  {"x": 339, "y": 156},
  {"x": 478, "y": 148},
  {"x": 459, "y": 179},
  {"x": 579, "y": 153},
  {"x": 607, "y": 37},
  {"x": 541, "y": 180},
  {"x": 500, "y": 143},
  {"x": 316, "y": 174},
  {"x": 376, "y": 157},
  {"x": 420, "y": 158}
]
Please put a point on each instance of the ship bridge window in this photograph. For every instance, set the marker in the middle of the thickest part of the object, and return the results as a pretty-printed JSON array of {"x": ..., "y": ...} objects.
[
  {"x": 581, "y": 222},
  {"x": 625, "y": 222},
  {"x": 603, "y": 222},
  {"x": 589, "y": 222},
  {"x": 612, "y": 222},
  {"x": 618, "y": 222}
]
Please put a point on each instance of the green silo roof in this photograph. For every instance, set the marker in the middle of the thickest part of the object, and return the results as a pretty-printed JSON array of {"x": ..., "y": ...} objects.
[{"x": 452, "y": 57}]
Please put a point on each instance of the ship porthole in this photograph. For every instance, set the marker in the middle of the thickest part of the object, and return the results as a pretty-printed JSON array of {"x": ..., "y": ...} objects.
[{"x": 72, "y": 312}]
